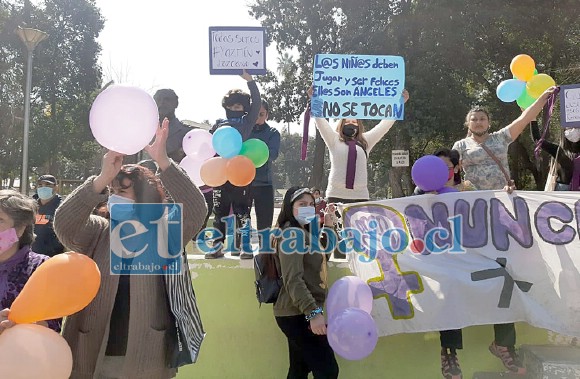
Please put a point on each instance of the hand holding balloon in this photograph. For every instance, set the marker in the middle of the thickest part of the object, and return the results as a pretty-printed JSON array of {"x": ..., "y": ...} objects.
[
  {"x": 4, "y": 322},
  {"x": 110, "y": 167},
  {"x": 158, "y": 149}
]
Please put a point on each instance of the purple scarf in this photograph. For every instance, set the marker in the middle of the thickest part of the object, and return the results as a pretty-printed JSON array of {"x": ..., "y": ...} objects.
[
  {"x": 7, "y": 267},
  {"x": 351, "y": 164},
  {"x": 304, "y": 148}
]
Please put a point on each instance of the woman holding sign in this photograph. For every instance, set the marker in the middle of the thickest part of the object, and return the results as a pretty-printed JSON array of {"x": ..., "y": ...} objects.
[{"x": 349, "y": 146}]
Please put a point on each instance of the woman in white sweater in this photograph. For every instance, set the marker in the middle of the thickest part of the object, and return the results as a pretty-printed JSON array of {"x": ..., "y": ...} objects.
[{"x": 349, "y": 146}]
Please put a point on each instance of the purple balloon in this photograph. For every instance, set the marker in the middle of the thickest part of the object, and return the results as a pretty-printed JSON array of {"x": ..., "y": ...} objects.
[
  {"x": 352, "y": 334},
  {"x": 447, "y": 190},
  {"x": 192, "y": 165},
  {"x": 348, "y": 292},
  {"x": 430, "y": 173}
]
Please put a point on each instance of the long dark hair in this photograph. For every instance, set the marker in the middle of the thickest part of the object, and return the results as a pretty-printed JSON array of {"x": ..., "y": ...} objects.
[
  {"x": 453, "y": 156},
  {"x": 286, "y": 217}
]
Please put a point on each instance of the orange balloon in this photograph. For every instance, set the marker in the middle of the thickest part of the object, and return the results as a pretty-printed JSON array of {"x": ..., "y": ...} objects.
[
  {"x": 213, "y": 171},
  {"x": 61, "y": 286},
  {"x": 34, "y": 351},
  {"x": 240, "y": 170},
  {"x": 523, "y": 67}
]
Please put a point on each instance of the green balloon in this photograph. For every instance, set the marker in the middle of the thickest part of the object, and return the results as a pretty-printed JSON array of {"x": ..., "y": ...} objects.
[
  {"x": 525, "y": 100},
  {"x": 256, "y": 150}
]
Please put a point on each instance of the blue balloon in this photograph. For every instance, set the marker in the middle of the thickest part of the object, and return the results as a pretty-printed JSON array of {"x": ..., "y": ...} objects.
[
  {"x": 510, "y": 90},
  {"x": 430, "y": 173},
  {"x": 227, "y": 141}
]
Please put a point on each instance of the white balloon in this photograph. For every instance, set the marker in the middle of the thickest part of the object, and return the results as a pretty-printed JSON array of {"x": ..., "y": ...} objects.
[
  {"x": 198, "y": 143},
  {"x": 34, "y": 351},
  {"x": 124, "y": 119},
  {"x": 192, "y": 165}
]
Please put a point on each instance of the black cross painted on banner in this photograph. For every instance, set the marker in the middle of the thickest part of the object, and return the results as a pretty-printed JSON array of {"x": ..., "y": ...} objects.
[{"x": 508, "y": 285}]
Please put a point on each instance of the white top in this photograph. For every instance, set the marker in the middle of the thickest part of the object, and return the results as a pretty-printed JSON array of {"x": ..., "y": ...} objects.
[{"x": 339, "y": 155}]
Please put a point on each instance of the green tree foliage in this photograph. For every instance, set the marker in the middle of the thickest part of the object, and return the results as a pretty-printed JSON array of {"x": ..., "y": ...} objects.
[
  {"x": 66, "y": 77},
  {"x": 456, "y": 54}
]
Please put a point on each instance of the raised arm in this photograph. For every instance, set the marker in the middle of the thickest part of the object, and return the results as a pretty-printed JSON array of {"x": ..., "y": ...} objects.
[
  {"x": 256, "y": 104},
  {"x": 518, "y": 125},
  {"x": 374, "y": 135}
]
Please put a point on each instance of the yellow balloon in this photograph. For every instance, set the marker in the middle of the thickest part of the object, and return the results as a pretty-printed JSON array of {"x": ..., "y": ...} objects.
[
  {"x": 523, "y": 67},
  {"x": 34, "y": 351},
  {"x": 538, "y": 84}
]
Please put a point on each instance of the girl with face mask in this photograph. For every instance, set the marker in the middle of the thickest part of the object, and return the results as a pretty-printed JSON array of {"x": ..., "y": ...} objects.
[
  {"x": 125, "y": 331},
  {"x": 567, "y": 154},
  {"x": 17, "y": 260},
  {"x": 298, "y": 309}
]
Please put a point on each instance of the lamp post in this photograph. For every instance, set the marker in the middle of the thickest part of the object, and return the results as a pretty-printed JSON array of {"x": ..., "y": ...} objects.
[{"x": 31, "y": 38}]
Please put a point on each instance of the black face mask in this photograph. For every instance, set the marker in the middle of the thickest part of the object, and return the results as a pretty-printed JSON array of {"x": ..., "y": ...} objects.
[
  {"x": 350, "y": 130},
  {"x": 234, "y": 114}
]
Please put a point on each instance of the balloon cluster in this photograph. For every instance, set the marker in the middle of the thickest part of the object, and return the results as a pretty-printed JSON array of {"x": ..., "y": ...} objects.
[
  {"x": 527, "y": 85},
  {"x": 351, "y": 331},
  {"x": 61, "y": 286},
  {"x": 430, "y": 173},
  {"x": 236, "y": 163}
]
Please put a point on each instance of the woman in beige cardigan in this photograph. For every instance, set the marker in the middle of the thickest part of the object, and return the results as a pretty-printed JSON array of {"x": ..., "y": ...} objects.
[{"x": 126, "y": 332}]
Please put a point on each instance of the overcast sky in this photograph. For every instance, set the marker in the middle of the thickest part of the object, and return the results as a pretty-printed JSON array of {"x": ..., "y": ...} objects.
[{"x": 165, "y": 44}]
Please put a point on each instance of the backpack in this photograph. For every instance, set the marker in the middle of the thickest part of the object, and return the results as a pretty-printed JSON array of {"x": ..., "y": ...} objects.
[{"x": 268, "y": 278}]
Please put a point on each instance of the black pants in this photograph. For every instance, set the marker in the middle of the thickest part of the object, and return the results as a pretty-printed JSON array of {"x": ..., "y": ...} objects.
[
  {"x": 505, "y": 335},
  {"x": 228, "y": 197},
  {"x": 308, "y": 352},
  {"x": 263, "y": 199},
  {"x": 209, "y": 202}
]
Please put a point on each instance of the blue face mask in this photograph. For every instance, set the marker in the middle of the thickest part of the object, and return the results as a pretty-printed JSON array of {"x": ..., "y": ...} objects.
[
  {"x": 121, "y": 212},
  {"x": 306, "y": 215},
  {"x": 44, "y": 193}
]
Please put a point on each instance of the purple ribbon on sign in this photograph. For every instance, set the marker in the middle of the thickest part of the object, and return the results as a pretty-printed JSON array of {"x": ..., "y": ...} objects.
[
  {"x": 351, "y": 164},
  {"x": 304, "y": 148},
  {"x": 548, "y": 109}
]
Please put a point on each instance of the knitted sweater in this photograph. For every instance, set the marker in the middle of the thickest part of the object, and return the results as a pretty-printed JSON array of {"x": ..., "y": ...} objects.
[
  {"x": 150, "y": 321},
  {"x": 338, "y": 159}
]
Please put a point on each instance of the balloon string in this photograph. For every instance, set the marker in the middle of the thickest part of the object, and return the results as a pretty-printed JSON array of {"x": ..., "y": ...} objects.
[{"x": 546, "y": 117}]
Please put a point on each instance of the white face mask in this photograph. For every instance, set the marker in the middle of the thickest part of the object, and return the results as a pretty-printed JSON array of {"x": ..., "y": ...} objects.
[
  {"x": 572, "y": 134},
  {"x": 121, "y": 213},
  {"x": 44, "y": 193},
  {"x": 306, "y": 215}
]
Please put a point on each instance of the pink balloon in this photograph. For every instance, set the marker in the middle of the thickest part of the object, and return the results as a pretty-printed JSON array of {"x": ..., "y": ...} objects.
[
  {"x": 124, "y": 119},
  {"x": 349, "y": 292},
  {"x": 192, "y": 165},
  {"x": 352, "y": 334},
  {"x": 197, "y": 143},
  {"x": 34, "y": 351}
]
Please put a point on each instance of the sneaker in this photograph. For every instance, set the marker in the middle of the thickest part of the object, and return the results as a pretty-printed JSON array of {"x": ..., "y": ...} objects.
[
  {"x": 235, "y": 253},
  {"x": 508, "y": 357},
  {"x": 215, "y": 255},
  {"x": 246, "y": 255},
  {"x": 450, "y": 364}
]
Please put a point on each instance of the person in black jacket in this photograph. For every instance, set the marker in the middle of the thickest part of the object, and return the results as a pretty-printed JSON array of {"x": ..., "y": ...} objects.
[
  {"x": 48, "y": 199},
  {"x": 567, "y": 152},
  {"x": 242, "y": 111}
]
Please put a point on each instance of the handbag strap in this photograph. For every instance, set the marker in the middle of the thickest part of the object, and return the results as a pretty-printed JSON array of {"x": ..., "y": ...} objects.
[{"x": 496, "y": 160}]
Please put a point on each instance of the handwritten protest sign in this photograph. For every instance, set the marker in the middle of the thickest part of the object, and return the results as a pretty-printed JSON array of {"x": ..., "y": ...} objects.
[
  {"x": 570, "y": 106},
  {"x": 358, "y": 86},
  {"x": 234, "y": 48}
]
